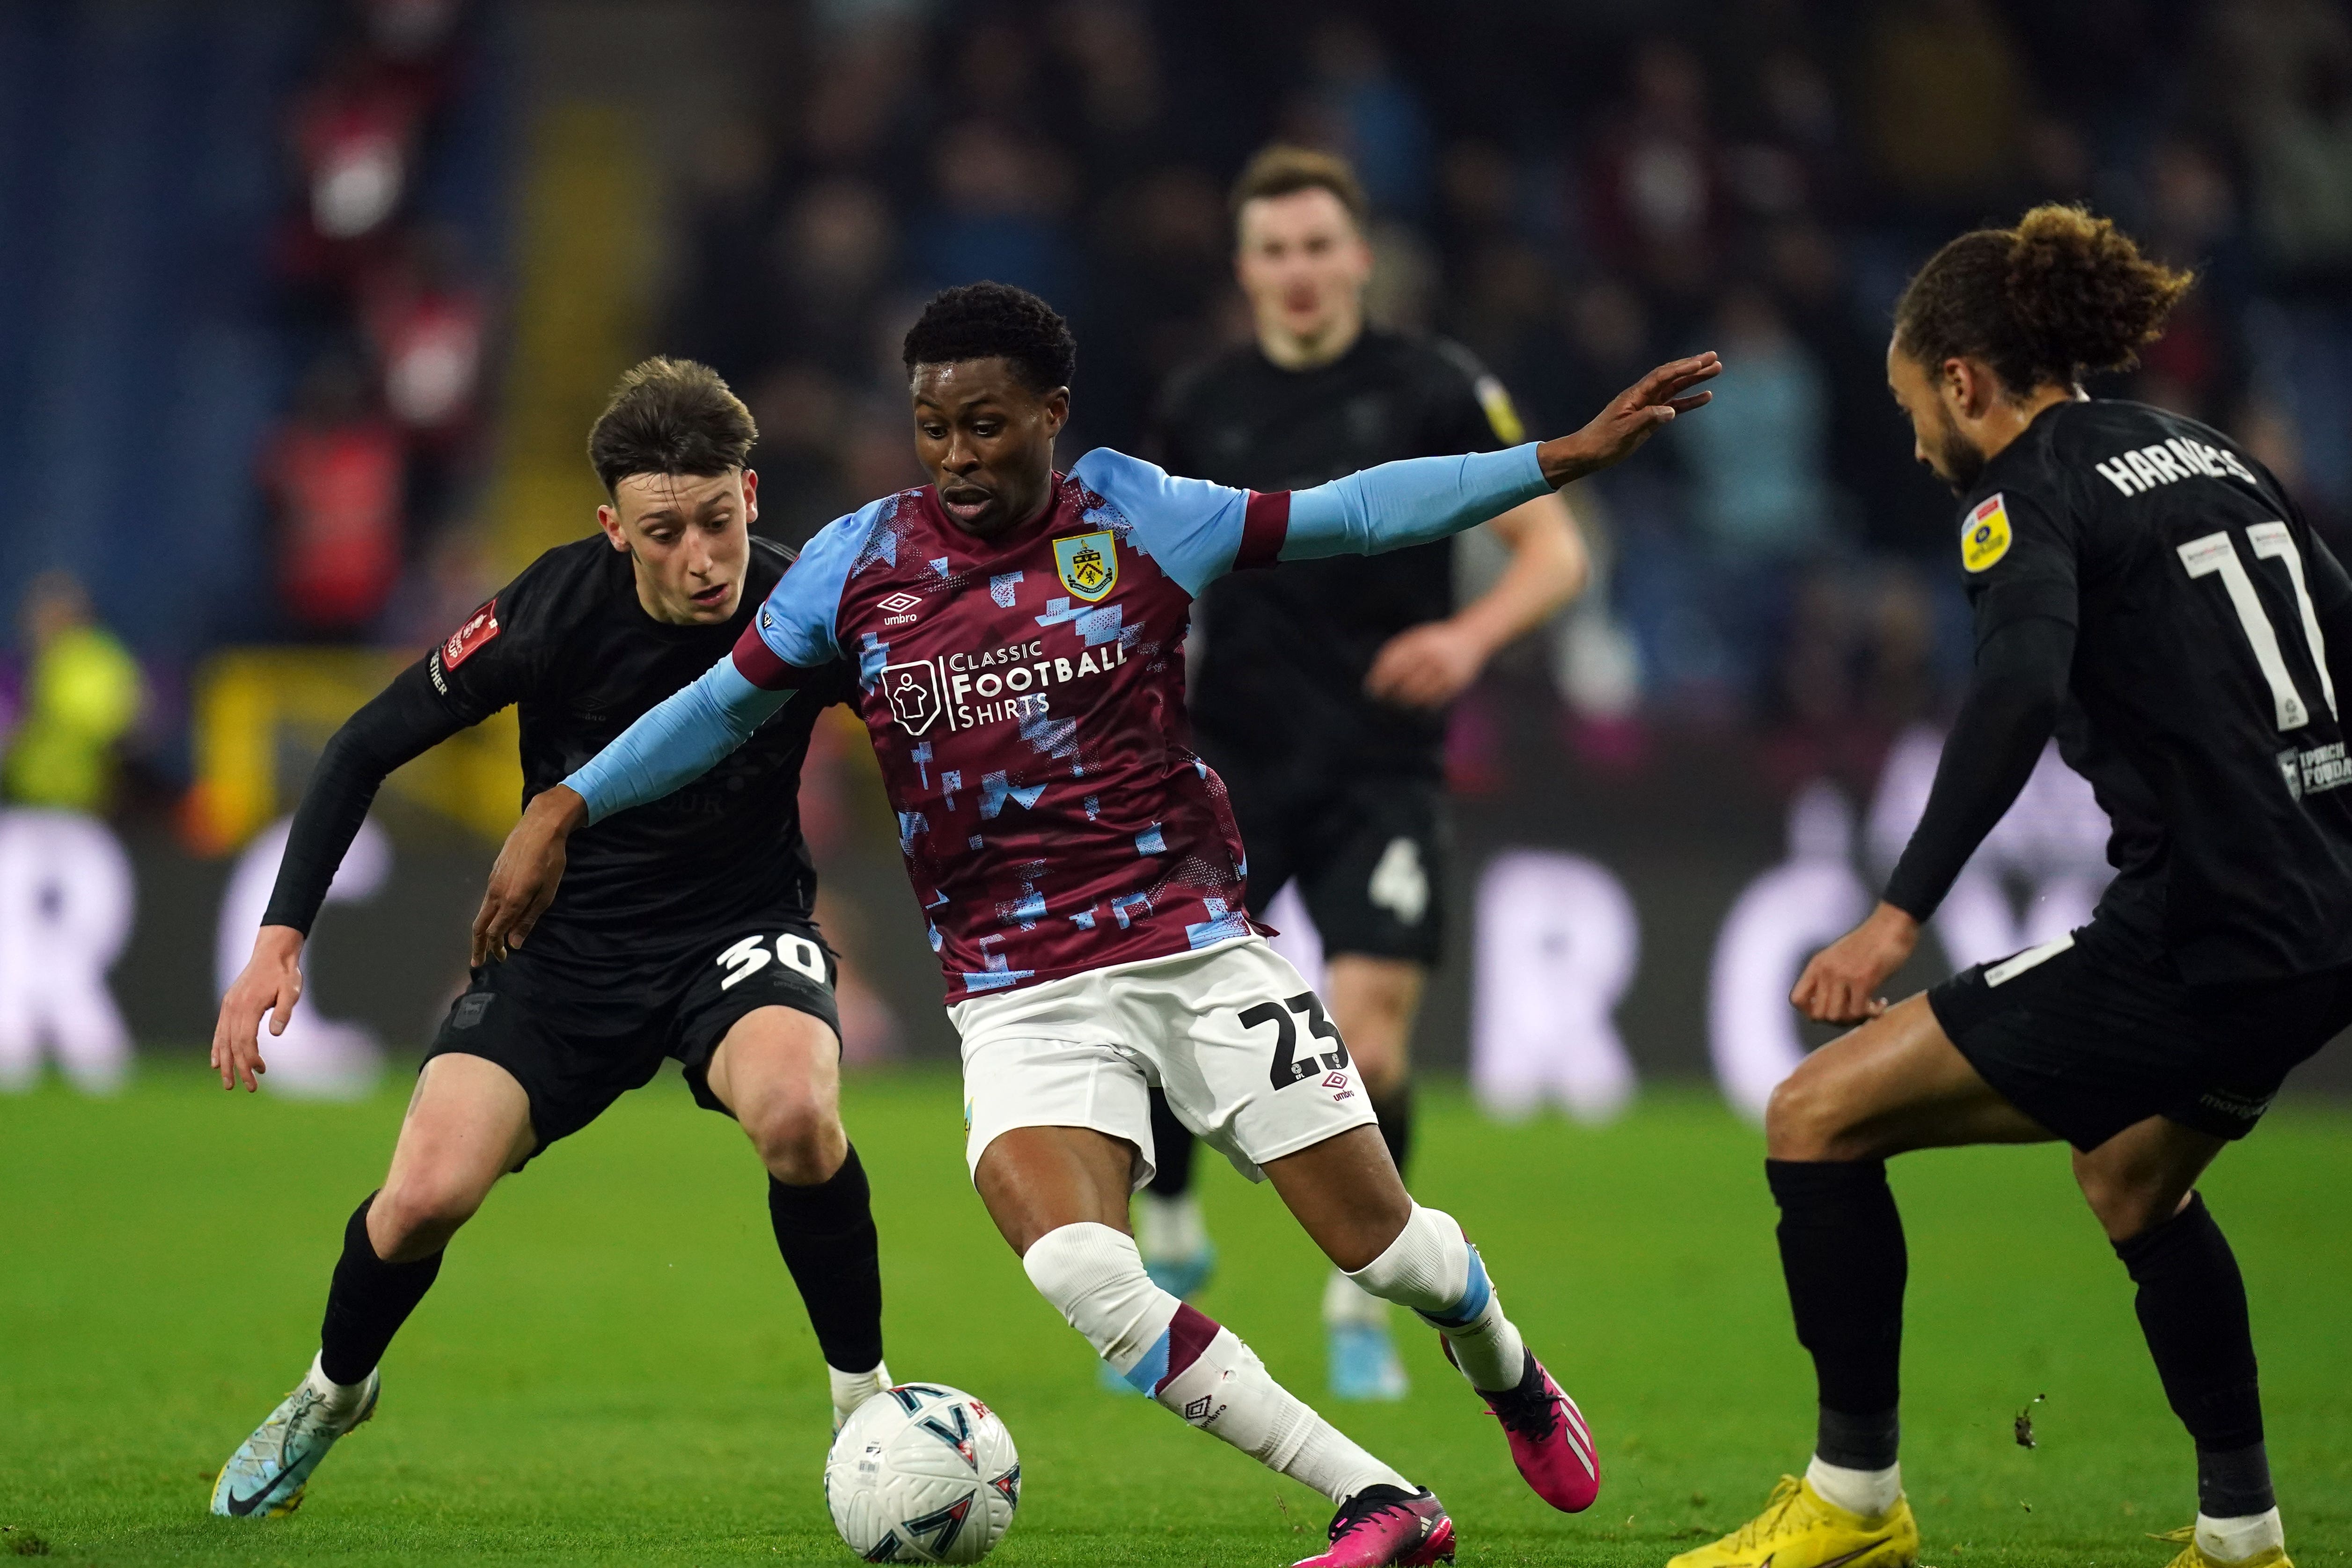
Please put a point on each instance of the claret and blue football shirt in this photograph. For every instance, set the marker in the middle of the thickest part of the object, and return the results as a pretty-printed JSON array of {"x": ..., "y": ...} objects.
[{"x": 1026, "y": 696}]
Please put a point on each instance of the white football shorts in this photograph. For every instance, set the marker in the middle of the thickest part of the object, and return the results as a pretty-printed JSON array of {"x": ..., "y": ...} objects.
[{"x": 1236, "y": 1038}]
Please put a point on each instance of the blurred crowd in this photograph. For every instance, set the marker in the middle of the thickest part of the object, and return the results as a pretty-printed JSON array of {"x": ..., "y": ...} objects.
[
  {"x": 1573, "y": 199},
  {"x": 390, "y": 318},
  {"x": 1573, "y": 192}
]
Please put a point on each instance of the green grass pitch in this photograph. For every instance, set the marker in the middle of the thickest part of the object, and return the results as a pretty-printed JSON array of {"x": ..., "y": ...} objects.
[{"x": 614, "y": 1368}]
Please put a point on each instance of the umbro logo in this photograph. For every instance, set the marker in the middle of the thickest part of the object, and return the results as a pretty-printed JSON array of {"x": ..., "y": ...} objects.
[{"x": 901, "y": 601}]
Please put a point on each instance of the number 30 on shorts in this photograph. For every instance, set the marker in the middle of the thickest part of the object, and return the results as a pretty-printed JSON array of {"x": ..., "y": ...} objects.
[
  {"x": 1287, "y": 1069},
  {"x": 748, "y": 957}
]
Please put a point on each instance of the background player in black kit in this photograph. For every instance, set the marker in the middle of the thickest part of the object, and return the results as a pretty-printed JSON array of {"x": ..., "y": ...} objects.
[
  {"x": 2147, "y": 591},
  {"x": 668, "y": 940},
  {"x": 1320, "y": 692}
]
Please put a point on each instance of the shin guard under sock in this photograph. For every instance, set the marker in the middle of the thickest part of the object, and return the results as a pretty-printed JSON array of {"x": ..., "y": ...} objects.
[
  {"x": 1190, "y": 1364},
  {"x": 367, "y": 1302},
  {"x": 826, "y": 1234},
  {"x": 1395, "y": 1111},
  {"x": 2192, "y": 1308},
  {"x": 1842, "y": 1253}
]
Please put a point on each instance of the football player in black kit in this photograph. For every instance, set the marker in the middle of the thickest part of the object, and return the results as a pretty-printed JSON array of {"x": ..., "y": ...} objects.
[
  {"x": 668, "y": 940},
  {"x": 1321, "y": 688},
  {"x": 2144, "y": 590}
]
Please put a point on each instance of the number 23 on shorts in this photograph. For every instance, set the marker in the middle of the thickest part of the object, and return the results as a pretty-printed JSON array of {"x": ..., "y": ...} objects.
[{"x": 1287, "y": 1068}]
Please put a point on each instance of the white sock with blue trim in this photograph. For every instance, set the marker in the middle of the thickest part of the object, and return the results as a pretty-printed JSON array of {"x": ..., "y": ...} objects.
[
  {"x": 1430, "y": 1268},
  {"x": 1189, "y": 1362}
]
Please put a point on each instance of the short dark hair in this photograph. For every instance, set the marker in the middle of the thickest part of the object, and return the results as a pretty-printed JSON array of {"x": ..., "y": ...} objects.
[
  {"x": 670, "y": 416},
  {"x": 2061, "y": 294},
  {"x": 1279, "y": 169},
  {"x": 996, "y": 321}
]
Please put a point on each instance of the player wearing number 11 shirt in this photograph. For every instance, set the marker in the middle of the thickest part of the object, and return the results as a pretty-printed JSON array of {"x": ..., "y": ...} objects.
[
  {"x": 1019, "y": 637},
  {"x": 2144, "y": 590}
]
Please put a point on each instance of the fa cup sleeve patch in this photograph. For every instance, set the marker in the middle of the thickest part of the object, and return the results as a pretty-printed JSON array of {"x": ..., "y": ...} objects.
[
  {"x": 1984, "y": 536},
  {"x": 467, "y": 639}
]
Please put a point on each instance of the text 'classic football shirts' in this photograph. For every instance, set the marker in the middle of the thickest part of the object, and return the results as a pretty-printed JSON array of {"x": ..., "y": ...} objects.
[{"x": 1025, "y": 693}]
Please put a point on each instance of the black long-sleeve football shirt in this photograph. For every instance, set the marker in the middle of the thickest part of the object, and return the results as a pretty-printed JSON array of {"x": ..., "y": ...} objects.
[
  {"x": 2148, "y": 592},
  {"x": 569, "y": 641}
]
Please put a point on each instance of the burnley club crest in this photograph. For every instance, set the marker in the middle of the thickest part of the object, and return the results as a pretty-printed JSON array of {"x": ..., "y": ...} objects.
[{"x": 1087, "y": 564}]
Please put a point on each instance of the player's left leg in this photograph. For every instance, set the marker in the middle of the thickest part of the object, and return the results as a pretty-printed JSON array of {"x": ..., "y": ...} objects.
[
  {"x": 1345, "y": 1192},
  {"x": 778, "y": 1072},
  {"x": 2191, "y": 1303}
]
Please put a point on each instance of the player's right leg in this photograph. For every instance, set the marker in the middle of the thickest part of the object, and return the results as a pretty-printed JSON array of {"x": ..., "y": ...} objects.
[
  {"x": 1059, "y": 1194},
  {"x": 467, "y": 1124},
  {"x": 1895, "y": 1084}
]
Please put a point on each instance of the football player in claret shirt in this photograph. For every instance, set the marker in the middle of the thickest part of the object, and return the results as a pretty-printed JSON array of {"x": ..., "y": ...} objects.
[
  {"x": 685, "y": 930},
  {"x": 1019, "y": 637},
  {"x": 2144, "y": 590},
  {"x": 1319, "y": 694}
]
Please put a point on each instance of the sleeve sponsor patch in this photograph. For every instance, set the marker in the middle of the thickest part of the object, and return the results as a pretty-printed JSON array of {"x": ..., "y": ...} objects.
[
  {"x": 1984, "y": 534},
  {"x": 467, "y": 640},
  {"x": 1509, "y": 429}
]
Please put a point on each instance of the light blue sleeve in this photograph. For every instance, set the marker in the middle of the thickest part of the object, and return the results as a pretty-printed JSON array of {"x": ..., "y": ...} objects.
[
  {"x": 1190, "y": 527},
  {"x": 798, "y": 620},
  {"x": 676, "y": 741},
  {"x": 1411, "y": 503}
]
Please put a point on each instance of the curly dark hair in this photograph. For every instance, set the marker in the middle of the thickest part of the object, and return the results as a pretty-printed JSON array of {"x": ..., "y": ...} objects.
[
  {"x": 670, "y": 416},
  {"x": 990, "y": 320},
  {"x": 2061, "y": 294}
]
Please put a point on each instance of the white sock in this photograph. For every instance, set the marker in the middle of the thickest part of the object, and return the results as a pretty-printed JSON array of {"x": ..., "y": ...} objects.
[
  {"x": 341, "y": 1399},
  {"x": 2235, "y": 1539},
  {"x": 1867, "y": 1492},
  {"x": 1189, "y": 1362},
  {"x": 1227, "y": 1393},
  {"x": 1347, "y": 1304},
  {"x": 1169, "y": 1229},
  {"x": 852, "y": 1389},
  {"x": 1430, "y": 1268}
]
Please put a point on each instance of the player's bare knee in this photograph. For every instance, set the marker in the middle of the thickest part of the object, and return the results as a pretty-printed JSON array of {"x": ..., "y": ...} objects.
[
  {"x": 416, "y": 1218},
  {"x": 1801, "y": 1121},
  {"x": 799, "y": 1141},
  {"x": 2125, "y": 1202}
]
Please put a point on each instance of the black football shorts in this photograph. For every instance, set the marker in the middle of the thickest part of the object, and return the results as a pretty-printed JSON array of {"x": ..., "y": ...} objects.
[
  {"x": 578, "y": 1034},
  {"x": 1368, "y": 855},
  {"x": 2088, "y": 1039}
]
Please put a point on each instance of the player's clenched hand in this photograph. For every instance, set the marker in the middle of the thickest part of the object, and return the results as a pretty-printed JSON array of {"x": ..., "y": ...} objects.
[
  {"x": 1425, "y": 666},
  {"x": 270, "y": 982},
  {"x": 528, "y": 868},
  {"x": 1629, "y": 419},
  {"x": 1841, "y": 984}
]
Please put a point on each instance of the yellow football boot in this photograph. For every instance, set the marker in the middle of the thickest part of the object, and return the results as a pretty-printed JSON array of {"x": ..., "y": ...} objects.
[
  {"x": 2195, "y": 1556},
  {"x": 1801, "y": 1529}
]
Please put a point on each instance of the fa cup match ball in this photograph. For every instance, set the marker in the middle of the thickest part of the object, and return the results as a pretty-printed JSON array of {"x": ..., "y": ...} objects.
[{"x": 922, "y": 1473}]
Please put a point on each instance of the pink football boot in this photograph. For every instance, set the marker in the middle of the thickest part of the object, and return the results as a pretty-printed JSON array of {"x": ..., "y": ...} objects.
[
  {"x": 1550, "y": 1441},
  {"x": 1383, "y": 1525}
]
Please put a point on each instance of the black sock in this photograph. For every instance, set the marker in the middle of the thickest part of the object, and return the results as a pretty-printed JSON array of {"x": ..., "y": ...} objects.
[
  {"x": 2192, "y": 1308},
  {"x": 826, "y": 1234},
  {"x": 1842, "y": 1251},
  {"x": 367, "y": 1302},
  {"x": 1171, "y": 1151},
  {"x": 1395, "y": 1111}
]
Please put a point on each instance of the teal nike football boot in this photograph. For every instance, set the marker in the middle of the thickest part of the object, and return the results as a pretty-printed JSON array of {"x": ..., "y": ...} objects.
[{"x": 265, "y": 1477}]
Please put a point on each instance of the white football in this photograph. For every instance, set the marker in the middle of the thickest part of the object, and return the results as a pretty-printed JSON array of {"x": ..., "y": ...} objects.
[{"x": 922, "y": 1473}]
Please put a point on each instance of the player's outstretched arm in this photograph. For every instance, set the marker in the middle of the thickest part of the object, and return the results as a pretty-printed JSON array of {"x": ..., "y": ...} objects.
[
  {"x": 677, "y": 741},
  {"x": 402, "y": 721},
  {"x": 270, "y": 983},
  {"x": 1423, "y": 499},
  {"x": 1997, "y": 738}
]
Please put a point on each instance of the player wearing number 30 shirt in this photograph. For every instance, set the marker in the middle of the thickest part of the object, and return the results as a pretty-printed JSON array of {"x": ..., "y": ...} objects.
[{"x": 1019, "y": 640}]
